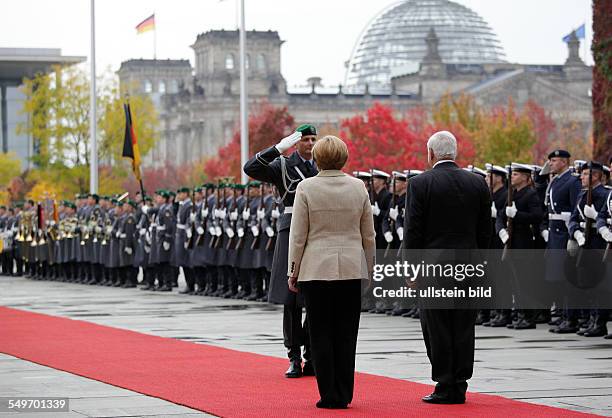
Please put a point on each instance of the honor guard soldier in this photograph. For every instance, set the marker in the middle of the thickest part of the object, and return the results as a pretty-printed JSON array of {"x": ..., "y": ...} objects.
[
  {"x": 182, "y": 235},
  {"x": 561, "y": 198},
  {"x": 127, "y": 245},
  {"x": 382, "y": 202},
  {"x": 285, "y": 173},
  {"x": 526, "y": 213},
  {"x": 589, "y": 268},
  {"x": 496, "y": 179}
]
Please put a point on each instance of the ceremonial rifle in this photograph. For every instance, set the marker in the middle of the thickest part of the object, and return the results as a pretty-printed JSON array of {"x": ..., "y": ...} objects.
[
  {"x": 588, "y": 222},
  {"x": 247, "y": 206},
  {"x": 389, "y": 218},
  {"x": 272, "y": 240},
  {"x": 219, "y": 239},
  {"x": 192, "y": 239},
  {"x": 509, "y": 220},
  {"x": 256, "y": 240},
  {"x": 232, "y": 224}
]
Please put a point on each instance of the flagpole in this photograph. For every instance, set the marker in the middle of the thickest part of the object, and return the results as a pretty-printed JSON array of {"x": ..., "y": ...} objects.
[
  {"x": 244, "y": 124},
  {"x": 93, "y": 159}
]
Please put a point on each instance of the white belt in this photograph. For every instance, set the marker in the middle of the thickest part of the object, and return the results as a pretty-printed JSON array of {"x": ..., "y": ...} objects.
[
  {"x": 609, "y": 221},
  {"x": 181, "y": 226},
  {"x": 288, "y": 209},
  {"x": 161, "y": 228},
  {"x": 563, "y": 216}
]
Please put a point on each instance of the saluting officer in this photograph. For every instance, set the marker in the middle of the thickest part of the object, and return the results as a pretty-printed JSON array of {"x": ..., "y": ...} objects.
[{"x": 285, "y": 173}]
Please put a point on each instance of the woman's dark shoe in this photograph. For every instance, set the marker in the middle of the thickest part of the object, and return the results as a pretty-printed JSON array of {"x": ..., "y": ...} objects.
[
  {"x": 308, "y": 369},
  {"x": 331, "y": 405}
]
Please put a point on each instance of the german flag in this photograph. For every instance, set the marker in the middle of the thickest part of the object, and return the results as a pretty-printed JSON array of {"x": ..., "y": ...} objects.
[
  {"x": 146, "y": 25},
  {"x": 130, "y": 144}
]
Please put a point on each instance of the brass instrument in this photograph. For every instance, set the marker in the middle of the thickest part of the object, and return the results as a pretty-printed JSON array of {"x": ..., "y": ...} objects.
[{"x": 106, "y": 237}]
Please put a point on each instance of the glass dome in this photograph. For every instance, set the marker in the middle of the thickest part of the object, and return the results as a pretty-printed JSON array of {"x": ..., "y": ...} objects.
[{"x": 395, "y": 39}]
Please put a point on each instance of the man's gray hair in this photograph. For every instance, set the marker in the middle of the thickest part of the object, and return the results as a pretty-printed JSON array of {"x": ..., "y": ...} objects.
[{"x": 443, "y": 145}]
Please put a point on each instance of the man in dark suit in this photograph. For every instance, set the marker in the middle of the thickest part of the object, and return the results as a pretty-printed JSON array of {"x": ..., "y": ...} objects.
[{"x": 449, "y": 208}]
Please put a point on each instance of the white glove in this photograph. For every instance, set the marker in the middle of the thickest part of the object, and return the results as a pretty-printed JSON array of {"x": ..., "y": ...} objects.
[
  {"x": 148, "y": 240},
  {"x": 51, "y": 222},
  {"x": 47, "y": 222},
  {"x": 241, "y": 232},
  {"x": 400, "y": 233},
  {"x": 269, "y": 231},
  {"x": 503, "y": 236},
  {"x": 544, "y": 234},
  {"x": 200, "y": 230},
  {"x": 192, "y": 216},
  {"x": 222, "y": 213},
  {"x": 288, "y": 141},
  {"x": 375, "y": 209},
  {"x": 388, "y": 236},
  {"x": 605, "y": 233},
  {"x": 204, "y": 212},
  {"x": 393, "y": 212},
  {"x": 579, "y": 237},
  {"x": 590, "y": 212},
  {"x": 275, "y": 213},
  {"x": 261, "y": 213},
  {"x": 144, "y": 209},
  {"x": 211, "y": 230},
  {"x": 123, "y": 236},
  {"x": 142, "y": 231},
  {"x": 255, "y": 231},
  {"x": 98, "y": 229},
  {"x": 218, "y": 231},
  {"x": 117, "y": 234},
  {"x": 128, "y": 250},
  {"x": 109, "y": 230},
  {"x": 493, "y": 210},
  {"x": 166, "y": 245},
  {"x": 572, "y": 247},
  {"x": 246, "y": 214},
  {"x": 511, "y": 210},
  {"x": 229, "y": 232},
  {"x": 147, "y": 249},
  {"x": 233, "y": 215},
  {"x": 188, "y": 232}
]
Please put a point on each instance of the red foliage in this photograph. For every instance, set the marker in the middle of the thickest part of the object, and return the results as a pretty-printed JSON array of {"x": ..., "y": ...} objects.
[
  {"x": 544, "y": 128},
  {"x": 380, "y": 140},
  {"x": 266, "y": 127},
  {"x": 602, "y": 80}
]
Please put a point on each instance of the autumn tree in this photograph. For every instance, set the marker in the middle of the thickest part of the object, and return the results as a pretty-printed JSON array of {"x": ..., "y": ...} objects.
[
  {"x": 602, "y": 79},
  {"x": 266, "y": 127}
]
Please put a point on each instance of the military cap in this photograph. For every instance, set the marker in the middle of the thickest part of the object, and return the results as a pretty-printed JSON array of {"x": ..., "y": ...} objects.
[
  {"x": 197, "y": 189},
  {"x": 171, "y": 193},
  {"x": 399, "y": 175},
  {"x": 364, "y": 175},
  {"x": 496, "y": 169},
  {"x": 19, "y": 204},
  {"x": 254, "y": 183},
  {"x": 559, "y": 153},
  {"x": 239, "y": 186},
  {"x": 522, "y": 168},
  {"x": 184, "y": 190},
  {"x": 71, "y": 205},
  {"x": 209, "y": 186},
  {"x": 412, "y": 173},
  {"x": 2, "y": 207},
  {"x": 30, "y": 201},
  {"x": 593, "y": 165},
  {"x": 379, "y": 174},
  {"x": 475, "y": 170},
  {"x": 307, "y": 129}
]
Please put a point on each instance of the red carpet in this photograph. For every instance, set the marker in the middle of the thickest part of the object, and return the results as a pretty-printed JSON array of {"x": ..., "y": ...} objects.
[{"x": 219, "y": 381}]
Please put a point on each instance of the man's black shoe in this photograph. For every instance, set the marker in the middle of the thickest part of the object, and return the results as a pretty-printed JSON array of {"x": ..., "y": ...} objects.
[
  {"x": 443, "y": 399},
  {"x": 186, "y": 291},
  {"x": 331, "y": 405},
  {"x": 524, "y": 324},
  {"x": 596, "y": 332},
  {"x": 295, "y": 369},
  {"x": 308, "y": 369}
]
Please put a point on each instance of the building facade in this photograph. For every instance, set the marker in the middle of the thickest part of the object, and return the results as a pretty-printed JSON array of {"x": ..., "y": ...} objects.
[{"x": 199, "y": 107}]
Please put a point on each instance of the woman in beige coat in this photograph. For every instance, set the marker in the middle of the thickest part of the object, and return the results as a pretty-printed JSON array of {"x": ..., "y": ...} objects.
[{"x": 331, "y": 249}]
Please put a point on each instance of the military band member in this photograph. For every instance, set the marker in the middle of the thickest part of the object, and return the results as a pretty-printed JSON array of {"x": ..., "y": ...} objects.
[
  {"x": 285, "y": 173},
  {"x": 127, "y": 245}
]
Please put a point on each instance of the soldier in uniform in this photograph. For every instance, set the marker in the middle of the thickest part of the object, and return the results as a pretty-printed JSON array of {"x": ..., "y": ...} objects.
[
  {"x": 591, "y": 267},
  {"x": 143, "y": 249},
  {"x": 604, "y": 223},
  {"x": 165, "y": 230},
  {"x": 497, "y": 181},
  {"x": 181, "y": 253},
  {"x": 526, "y": 214},
  {"x": 561, "y": 198},
  {"x": 382, "y": 202},
  {"x": 285, "y": 173},
  {"x": 4, "y": 244},
  {"x": 127, "y": 245},
  {"x": 197, "y": 252}
]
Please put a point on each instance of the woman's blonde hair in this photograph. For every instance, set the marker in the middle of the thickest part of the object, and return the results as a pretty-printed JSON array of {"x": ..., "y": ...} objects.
[{"x": 330, "y": 153}]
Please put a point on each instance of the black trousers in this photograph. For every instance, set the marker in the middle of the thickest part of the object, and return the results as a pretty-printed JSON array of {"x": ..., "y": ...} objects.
[
  {"x": 449, "y": 338},
  {"x": 333, "y": 309},
  {"x": 295, "y": 334}
]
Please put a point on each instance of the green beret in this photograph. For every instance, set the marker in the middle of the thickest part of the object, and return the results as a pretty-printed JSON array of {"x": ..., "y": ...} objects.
[
  {"x": 171, "y": 193},
  {"x": 307, "y": 129},
  {"x": 254, "y": 183},
  {"x": 19, "y": 204},
  {"x": 3, "y": 207},
  {"x": 71, "y": 205},
  {"x": 131, "y": 202},
  {"x": 197, "y": 189},
  {"x": 31, "y": 202},
  {"x": 184, "y": 190},
  {"x": 147, "y": 199},
  {"x": 239, "y": 186}
]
